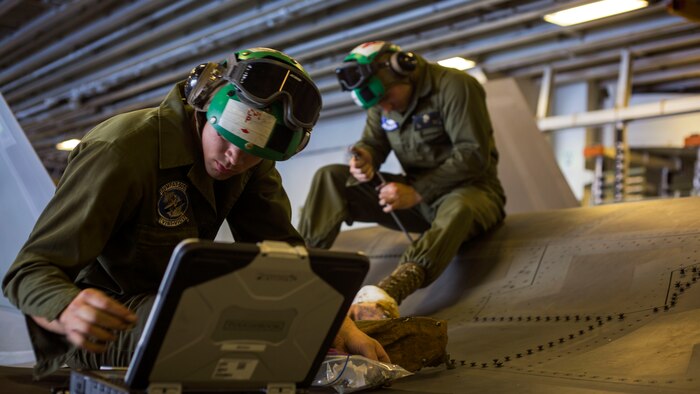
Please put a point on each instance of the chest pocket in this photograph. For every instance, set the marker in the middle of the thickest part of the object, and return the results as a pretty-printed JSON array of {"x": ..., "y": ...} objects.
[
  {"x": 155, "y": 244},
  {"x": 148, "y": 236},
  {"x": 429, "y": 128},
  {"x": 135, "y": 263},
  {"x": 429, "y": 135},
  {"x": 433, "y": 135}
]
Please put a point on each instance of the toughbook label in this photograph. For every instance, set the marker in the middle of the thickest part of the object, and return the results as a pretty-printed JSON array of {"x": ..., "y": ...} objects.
[{"x": 235, "y": 368}]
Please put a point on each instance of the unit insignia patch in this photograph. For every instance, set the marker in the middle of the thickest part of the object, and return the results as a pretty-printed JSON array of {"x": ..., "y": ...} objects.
[{"x": 172, "y": 204}]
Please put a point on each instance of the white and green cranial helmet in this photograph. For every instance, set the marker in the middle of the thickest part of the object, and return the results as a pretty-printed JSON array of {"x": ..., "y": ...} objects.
[
  {"x": 371, "y": 68},
  {"x": 259, "y": 99}
]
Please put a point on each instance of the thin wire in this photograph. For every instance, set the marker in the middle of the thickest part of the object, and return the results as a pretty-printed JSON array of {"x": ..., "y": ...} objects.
[
  {"x": 393, "y": 214},
  {"x": 342, "y": 371}
]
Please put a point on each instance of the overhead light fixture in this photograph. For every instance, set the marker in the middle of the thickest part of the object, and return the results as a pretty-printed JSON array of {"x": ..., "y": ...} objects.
[
  {"x": 68, "y": 144},
  {"x": 459, "y": 63},
  {"x": 592, "y": 11}
]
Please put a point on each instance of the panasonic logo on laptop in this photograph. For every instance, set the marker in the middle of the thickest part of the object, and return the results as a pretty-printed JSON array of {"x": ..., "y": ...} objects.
[
  {"x": 253, "y": 325},
  {"x": 265, "y": 276}
]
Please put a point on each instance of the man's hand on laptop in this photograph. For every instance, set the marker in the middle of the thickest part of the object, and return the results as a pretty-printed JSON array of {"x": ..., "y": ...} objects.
[
  {"x": 91, "y": 320},
  {"x": 351, "y": 339}
]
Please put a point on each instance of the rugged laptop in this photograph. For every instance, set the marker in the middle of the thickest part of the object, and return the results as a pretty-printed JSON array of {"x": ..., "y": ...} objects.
[{"x": 237, "y": 317}]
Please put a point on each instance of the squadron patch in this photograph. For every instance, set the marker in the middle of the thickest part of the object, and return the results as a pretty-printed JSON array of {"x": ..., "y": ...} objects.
[
  {"x": 389, "y": 124},
  {"x": 172, "y": 204}
]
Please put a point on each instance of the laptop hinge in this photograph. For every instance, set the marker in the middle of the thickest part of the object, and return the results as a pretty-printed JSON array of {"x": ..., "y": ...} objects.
[
  {"x": 282, "y": 250},
  {"x": 281, "y": 388},
  {"x": 164, "y": 388}
]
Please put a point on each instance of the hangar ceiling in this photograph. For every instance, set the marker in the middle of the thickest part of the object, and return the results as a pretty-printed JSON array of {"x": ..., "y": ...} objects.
[{"x": 66, "y": 65}]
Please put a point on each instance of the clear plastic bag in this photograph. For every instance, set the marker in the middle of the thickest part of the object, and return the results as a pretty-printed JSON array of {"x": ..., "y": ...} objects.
[{"x": 350, "y": 373}]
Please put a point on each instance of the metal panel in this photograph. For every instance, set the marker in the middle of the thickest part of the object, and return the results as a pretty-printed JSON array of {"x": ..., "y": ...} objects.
[
  {"x": 25, "y": 189},
  {"x": 527, "y": 167},
  {"x": 600, "y": 299}
]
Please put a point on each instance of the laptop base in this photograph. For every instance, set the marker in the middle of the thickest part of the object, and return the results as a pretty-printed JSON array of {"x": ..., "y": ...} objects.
[{"x": 104, "y": 382}]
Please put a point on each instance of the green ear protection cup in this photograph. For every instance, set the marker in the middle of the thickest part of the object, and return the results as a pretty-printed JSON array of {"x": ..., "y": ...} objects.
[{"x": 403, "y": 63}]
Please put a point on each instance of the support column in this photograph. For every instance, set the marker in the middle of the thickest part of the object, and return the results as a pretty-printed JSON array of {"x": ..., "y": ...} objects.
[
  {"x": 545, "y": 93},
  {"x": 622, "y": 154}
]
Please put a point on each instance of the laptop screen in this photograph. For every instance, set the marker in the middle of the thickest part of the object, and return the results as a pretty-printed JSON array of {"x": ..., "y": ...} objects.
[{"x": 240, "y": 316}]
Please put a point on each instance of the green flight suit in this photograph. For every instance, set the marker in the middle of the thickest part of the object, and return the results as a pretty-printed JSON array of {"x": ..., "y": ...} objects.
[
  {"x": 444, "y": 142},
  {"x": 134, "y": 187}
]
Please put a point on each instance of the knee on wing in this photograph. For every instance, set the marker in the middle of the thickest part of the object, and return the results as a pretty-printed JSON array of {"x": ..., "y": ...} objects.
[
  {"x": 457, "y": 209},
  {"x": 331, "y": 171}
]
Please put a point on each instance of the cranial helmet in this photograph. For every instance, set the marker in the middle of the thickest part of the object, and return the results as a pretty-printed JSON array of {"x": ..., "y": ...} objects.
[
  {"x": 371, "y": 68},
  {"x": 259, "y": 99}
]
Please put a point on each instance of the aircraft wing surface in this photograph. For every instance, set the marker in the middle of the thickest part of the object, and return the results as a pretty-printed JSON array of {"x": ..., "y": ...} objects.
[{"x": 603, "y": 299}]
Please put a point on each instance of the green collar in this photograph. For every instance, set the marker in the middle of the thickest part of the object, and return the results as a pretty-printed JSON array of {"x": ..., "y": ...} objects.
[
  {"x": 180, "y": 142},
  {"x": 422, "y": 83},
  {"x": 178, "y": 147}
]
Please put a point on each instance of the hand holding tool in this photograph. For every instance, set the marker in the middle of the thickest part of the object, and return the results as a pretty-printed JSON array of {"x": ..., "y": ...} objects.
[{"x": 382, "y": 182}]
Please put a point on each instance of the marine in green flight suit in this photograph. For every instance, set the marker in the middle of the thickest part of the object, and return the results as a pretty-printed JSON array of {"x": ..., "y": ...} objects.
[
  {"x": 436, "y": 122},
  {"x": 141, "y": 182}
]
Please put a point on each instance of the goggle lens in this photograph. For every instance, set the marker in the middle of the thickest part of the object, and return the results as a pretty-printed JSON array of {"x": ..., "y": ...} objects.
[
  {"x": 261, "y": 81},
  {"x": 352, "y": 75}
]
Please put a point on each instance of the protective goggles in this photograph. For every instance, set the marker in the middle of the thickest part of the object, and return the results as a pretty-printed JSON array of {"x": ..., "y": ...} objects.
[
  {"x": 261, "y": 82},
  {"x": 352, "y": 75}
]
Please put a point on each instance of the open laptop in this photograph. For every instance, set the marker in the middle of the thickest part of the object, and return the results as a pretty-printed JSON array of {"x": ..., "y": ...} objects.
[{"x": 237, "y": 317}]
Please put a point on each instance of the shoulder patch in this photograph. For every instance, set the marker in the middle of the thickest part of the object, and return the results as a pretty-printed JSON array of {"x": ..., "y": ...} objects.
[
  {"x": 389, "y": 124},
  {"x": 173, "y": 204}
]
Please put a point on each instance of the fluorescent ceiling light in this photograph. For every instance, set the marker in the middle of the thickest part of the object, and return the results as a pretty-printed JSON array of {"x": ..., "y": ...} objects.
[
  {"x": 68, "y": 144},
  {"x": 596, "y": 10},
  {"x": 459, "y": 63}
]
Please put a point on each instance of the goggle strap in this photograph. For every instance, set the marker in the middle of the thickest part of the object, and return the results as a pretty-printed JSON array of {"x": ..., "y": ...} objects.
[
  {"x": 231, "y": 64},
  {"x": 288, "y": 117},
  {"x": 305, "y": 137}
]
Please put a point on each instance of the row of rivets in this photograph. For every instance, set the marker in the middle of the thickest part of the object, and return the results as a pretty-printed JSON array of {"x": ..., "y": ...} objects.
[{"x": 546, "y": 318}]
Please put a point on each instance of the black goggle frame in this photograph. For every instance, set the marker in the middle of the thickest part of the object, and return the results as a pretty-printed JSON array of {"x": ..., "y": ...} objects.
[
  {"x": 353, "y": 75},
  {"x": 206, "y": 78},
  {"x": 289, "y": 83}
]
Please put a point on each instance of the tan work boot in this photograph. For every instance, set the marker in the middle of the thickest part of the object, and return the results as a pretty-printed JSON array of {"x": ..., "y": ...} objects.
[{"x": 406, "y": 278}]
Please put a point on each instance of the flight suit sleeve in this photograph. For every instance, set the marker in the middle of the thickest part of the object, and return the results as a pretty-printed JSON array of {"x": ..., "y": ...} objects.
[
  {"x": 95, "y": 195},
  {"x": 374, "y": 138},
  {"x": 263, "y": 211},
  {"x": 467, "y": 123}
]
